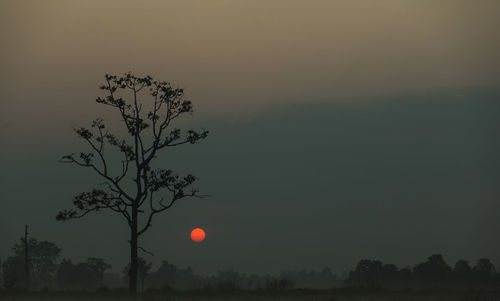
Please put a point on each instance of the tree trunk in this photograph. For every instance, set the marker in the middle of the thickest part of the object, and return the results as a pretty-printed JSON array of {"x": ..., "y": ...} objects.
[
  {"x": 26, "y": 259},
  {"x": 133, "y": 254}
]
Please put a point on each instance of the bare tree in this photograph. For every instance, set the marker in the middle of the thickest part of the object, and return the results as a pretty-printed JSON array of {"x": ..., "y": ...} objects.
[{"x": 135, "y": 190}]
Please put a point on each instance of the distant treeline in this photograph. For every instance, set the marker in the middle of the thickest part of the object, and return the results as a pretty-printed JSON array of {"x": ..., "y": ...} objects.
[
  {"x": 47, "y": 271},
  {"x": 433, "y": 273}
]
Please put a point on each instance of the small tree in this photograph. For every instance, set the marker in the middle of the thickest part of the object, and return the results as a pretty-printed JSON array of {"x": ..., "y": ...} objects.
[
  {"x": 43, "y": 264},
  {"x": 98, "y": 266},
  {"x": 149, "y": 128}
]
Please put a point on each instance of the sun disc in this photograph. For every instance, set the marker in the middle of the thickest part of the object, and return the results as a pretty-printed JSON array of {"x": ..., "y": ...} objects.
[{"x": 197, "y": 235}]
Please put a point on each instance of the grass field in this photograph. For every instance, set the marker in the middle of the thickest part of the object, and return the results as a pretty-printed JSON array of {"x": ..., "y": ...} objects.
[{"x": 296, "y": 295}]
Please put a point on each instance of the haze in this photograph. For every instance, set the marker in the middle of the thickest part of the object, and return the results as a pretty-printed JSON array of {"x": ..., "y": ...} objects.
[{"x": 339, "y": 129}]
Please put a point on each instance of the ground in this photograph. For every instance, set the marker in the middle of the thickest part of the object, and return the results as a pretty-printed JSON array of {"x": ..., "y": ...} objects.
[{"x": 295, "y": 295}]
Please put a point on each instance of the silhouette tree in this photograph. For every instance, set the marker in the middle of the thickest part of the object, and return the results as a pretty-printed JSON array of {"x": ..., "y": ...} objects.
[
  {"x": 462, "y": 272},
  {"x": 143, "y": 270},
  {"x": 149, "y": 128},
  {"x": 277, "y": 284},
  {"x": 484, "y": 270},
  {"x": 368, "y": 273},
  {"x": 323, "y": 279},
  {"x": 166, "y": 274},
  {"x": 434, "y": 272},
  {"x": 67, "y": 275},
  {"x": 12, "y": 272},
  {"x": 42, "y": 264},
  {"x": 97, "y": 266},
  {"x": 86, "y": 275},
  {"x": 389, "y": 275},
  {"x": 462, "y": 267}
]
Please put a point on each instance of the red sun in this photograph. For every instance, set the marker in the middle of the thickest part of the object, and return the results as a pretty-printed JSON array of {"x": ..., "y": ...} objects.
[{"x": 197, "y": 235}]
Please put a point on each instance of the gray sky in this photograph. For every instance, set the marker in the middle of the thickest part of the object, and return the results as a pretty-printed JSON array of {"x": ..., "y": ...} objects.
[{"x": 339, "y": 129}]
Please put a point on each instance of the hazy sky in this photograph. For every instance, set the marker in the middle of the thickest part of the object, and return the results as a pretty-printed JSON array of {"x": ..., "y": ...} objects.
[{"x": 340, "y": 129}]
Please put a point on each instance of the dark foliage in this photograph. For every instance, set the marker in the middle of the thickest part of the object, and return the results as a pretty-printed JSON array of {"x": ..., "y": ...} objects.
[
  {"x": 433, "y": 273},
  {"x": 369, "y": 275},
  {"x": 42, "y": 264},
  {"x": 86, "y": 275}
]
